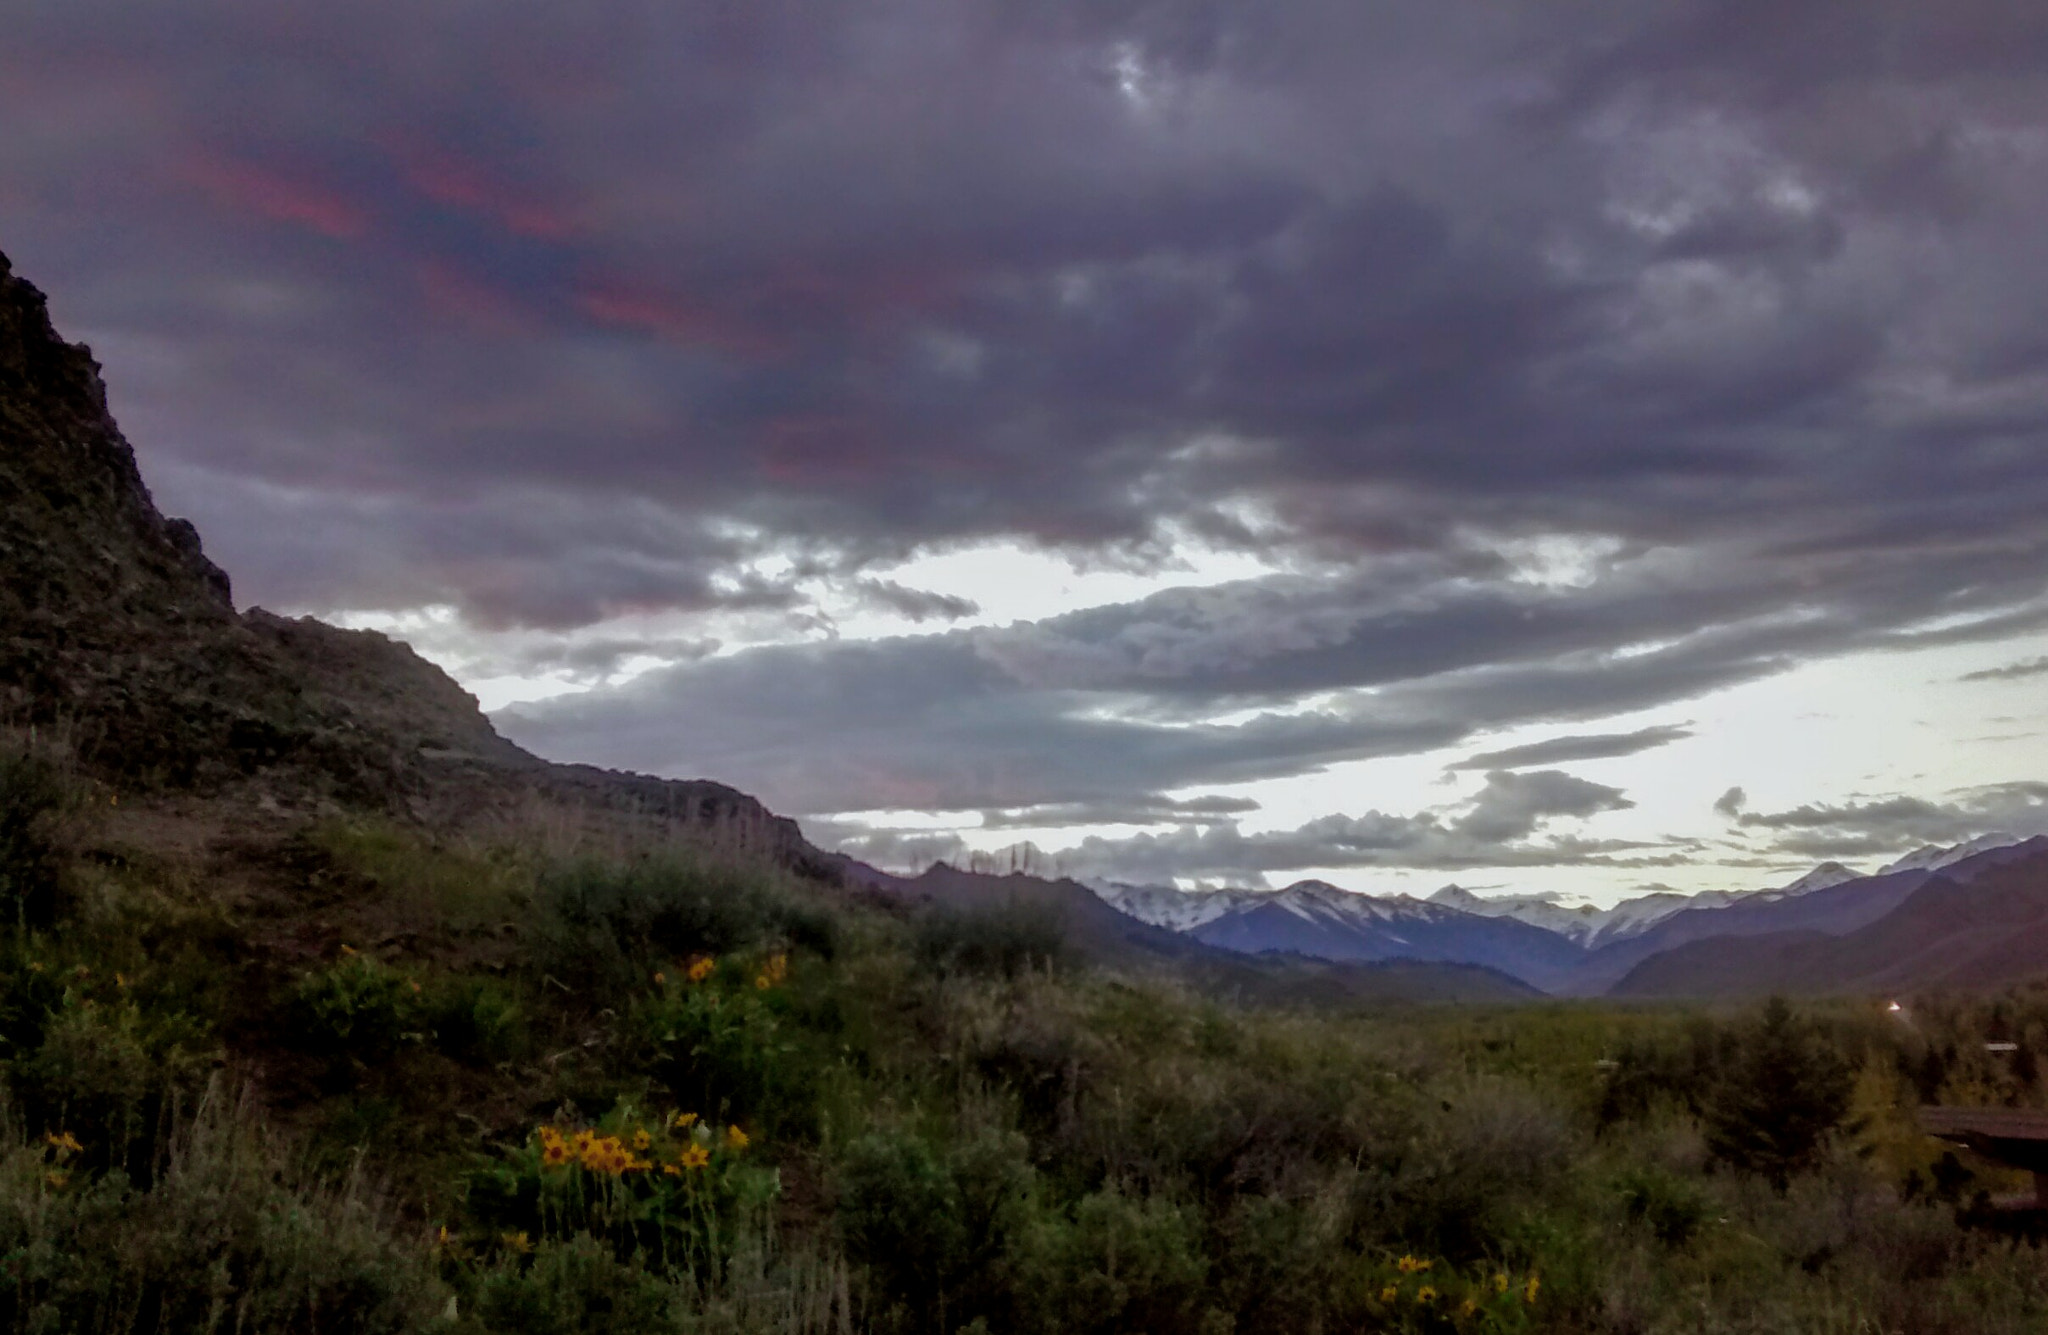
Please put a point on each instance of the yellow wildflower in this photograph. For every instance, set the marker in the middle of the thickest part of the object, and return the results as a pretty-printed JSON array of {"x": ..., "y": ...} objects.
[
  {"x": 1426, "y": 1294},
  {"x": 671, "y": 1170},
  {"x": 761, "y": 983},
  {"x": 607, "y": 1154},
  {"x": 659, "y": 978},
  {"x": 1500, "y": 1282},
  {"x": 682, "y": 1121},
  {"x": 1467, "y": 1308},
  {"x": 443, "y": 1237},
  {"x": 696, "y": 1156},
  {"x": 641, "y": 1140},
  {"x": 1529, "y": 1290},
  {"x": 701, "y": 968},
  {"x": 518, "y": 1242},
  {"x": 1412, "y": 1265},
  {"x": 64, "y": 1143},
  {"x": 56, "y": 1179},
  {"x": 735, "y": 1138},
  {"x": 1389, "y": 1293},
  {"x": 778, "y": 967},
  {"x": 554, "y": 1154}
]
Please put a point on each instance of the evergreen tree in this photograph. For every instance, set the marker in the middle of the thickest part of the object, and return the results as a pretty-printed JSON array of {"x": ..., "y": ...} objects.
[{"x": 1775, "y": 1102}]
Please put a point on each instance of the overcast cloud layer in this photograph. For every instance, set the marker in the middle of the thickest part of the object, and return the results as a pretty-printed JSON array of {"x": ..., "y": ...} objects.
[{"x": 1557, "y": 363}]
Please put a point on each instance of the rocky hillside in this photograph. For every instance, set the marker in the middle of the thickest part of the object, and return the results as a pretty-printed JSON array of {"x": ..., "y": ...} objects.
[{"x": 117, "y": 633}]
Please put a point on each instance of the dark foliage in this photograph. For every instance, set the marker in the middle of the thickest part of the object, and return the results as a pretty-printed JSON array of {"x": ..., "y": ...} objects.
[{"x": 1777, "y": 1100}]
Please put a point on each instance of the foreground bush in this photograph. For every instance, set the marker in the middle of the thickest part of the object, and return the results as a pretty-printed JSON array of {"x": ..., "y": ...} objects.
[{"x": 220, "y": 1241}]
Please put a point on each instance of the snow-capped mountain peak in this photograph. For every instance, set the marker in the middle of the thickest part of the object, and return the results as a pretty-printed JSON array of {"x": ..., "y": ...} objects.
[
  {"x": 1820, "y": 878},
  {"x": 1933, "y": 857}
]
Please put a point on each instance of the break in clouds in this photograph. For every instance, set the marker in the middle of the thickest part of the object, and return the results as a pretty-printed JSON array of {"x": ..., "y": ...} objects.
[{"x": 1548, "y": 365}]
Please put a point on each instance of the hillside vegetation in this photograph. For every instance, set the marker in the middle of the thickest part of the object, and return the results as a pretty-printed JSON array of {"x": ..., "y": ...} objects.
[{"x": 341, "y": 1074}]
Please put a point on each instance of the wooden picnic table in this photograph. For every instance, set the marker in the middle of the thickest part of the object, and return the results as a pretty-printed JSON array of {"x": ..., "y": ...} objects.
[{"x": 2016, "y": 1137}]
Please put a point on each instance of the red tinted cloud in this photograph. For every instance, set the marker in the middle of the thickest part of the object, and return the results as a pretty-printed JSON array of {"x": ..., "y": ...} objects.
[
  {"x": 461, "y": 183},
  {"x": 279, "y": 197},
  {"x": 673, "y": 318}
]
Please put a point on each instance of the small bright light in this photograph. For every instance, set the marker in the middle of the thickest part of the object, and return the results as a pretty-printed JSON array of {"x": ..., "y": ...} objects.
[{"x": 1895, "y": 1007}]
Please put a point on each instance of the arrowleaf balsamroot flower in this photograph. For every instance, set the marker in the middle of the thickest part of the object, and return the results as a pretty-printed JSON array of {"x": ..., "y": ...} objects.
[
  {"x": 694, "y": 1157},
  {"x": 735, "y": 1138},
  {"x": 701, "y": 968}
]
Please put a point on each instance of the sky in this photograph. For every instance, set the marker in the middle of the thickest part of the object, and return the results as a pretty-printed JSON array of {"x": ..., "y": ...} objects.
[{"x": 1573, "y": 448}]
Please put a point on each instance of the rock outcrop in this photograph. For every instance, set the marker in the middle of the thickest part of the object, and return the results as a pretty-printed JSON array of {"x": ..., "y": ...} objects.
[{"x": 117, "y": 631}]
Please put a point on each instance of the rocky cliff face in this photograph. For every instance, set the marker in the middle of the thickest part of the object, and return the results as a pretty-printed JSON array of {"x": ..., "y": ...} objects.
[{"x": 117, "y": 631}]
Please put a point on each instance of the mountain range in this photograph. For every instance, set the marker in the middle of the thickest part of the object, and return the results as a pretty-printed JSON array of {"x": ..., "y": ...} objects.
[{"x": 1659, "y": 944}]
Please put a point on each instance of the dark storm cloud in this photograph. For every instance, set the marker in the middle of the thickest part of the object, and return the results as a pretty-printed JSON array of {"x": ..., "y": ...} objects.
[
  {"x": 860, "y": 278},
  {"x": 1570, "y": 362},
  {"x": 1897, "y": 824},
  {"x": 1590, "y": 746}
]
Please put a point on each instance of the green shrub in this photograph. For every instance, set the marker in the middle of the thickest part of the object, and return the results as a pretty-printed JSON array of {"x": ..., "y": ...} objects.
[
  {"x": 1672, "y": 1209},
  {"x": 935, "y": 1230},
  {"x": 106, "y": 1073},
  {"x": 576, "y": 1286},
  {"x": 1117, "y": 1263},
  {"x": 1000, "y": 940},
  {"x": 725, "y": 1048},
  {"x": 603, "y": 923},
  {"x": 35, "y": 799},
  {"x": 358, "y": 1008},
  {"x": 474, "y": 1020}
]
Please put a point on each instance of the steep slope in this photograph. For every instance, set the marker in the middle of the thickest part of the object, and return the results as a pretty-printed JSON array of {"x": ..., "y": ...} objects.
[
  {"x": 118, "y": 633},
  {"x": 1979, "y": 922}
]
